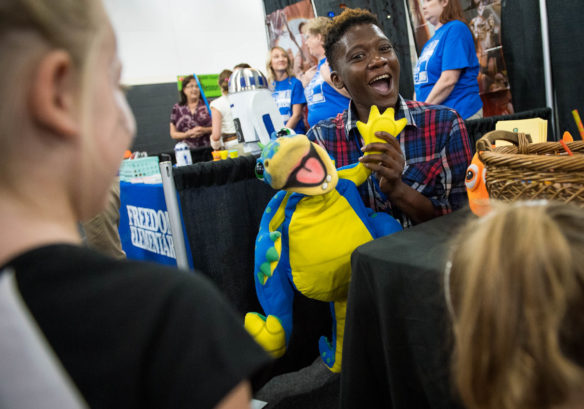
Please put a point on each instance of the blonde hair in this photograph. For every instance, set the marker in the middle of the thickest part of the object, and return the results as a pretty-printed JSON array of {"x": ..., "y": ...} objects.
[
  {"x": 516, "y": 288},
  {"x": 29, "y": 29},
  {"x": 66, "y": 24},
  {"x": 270, "y": 70},
  {"x": 317, "y": 25},
  {"x": 29, "y": 26}
]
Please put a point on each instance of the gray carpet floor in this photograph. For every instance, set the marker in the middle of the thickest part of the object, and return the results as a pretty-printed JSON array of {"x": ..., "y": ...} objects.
[{"x": 312, "y": 387}]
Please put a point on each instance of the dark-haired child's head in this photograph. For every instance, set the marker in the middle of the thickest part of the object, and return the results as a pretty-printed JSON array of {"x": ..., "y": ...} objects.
[
  {"x": 241, "y": 65},
  {"x": 363, "y": 61},
  {"x": 340, "y": 25},
  {"x": 224, "y": 80}
]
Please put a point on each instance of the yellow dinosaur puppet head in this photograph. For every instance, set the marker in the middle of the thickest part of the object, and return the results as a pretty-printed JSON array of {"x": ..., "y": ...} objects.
[{"x": 297, "y": 165}]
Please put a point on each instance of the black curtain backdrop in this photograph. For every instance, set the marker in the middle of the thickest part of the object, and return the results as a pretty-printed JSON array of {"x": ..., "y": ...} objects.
[
  {"x": 521, "y": 39},
  {"x": 522, "y": 45},
  {"x": 567, "y": 55},
  {"x": 151, "y": 105},
  {"x": 222, "y": 203}
]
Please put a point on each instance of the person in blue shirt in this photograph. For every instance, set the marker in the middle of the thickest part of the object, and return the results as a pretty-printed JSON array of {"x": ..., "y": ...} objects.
[
  {"x": 286, "y": 90},
  {"x": 323, "y": 99},
  {"x": 447, "y": 70}
]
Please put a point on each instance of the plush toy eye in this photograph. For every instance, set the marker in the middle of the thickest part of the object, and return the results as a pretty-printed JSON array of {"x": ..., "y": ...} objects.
[
  {"x": 259, "y": 170},
  {"x": 285, "y": 132},
  {"x": 472, "y": 176}
]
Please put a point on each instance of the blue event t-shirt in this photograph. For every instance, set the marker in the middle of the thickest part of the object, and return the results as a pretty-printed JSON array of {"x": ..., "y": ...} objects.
[
  {"x": 451, "y": 48},
  {"x": 323, "y": 100},
  {"x": 287, "y": 93}
]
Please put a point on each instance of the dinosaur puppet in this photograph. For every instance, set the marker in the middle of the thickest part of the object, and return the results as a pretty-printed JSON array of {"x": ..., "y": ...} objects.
[{"x": 307, "y": 234}]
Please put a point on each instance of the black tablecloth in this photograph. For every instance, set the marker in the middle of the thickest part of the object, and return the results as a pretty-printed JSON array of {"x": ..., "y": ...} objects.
[{"x": 397, "y": 335}]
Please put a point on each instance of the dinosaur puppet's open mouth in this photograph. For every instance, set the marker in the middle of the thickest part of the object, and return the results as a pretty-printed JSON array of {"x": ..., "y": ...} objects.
[{"x": 309, "y": 172}]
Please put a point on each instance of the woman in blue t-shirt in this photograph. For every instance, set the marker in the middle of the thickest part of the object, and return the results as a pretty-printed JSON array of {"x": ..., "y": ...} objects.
[
  {"x": 447, "y": 70},
  {"x": 286, "y": 90},
  {"x": 322, "y": 98}
]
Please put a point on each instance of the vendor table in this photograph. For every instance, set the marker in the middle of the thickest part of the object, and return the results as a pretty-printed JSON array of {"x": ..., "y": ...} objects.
[{"x": 397, "y": 336}]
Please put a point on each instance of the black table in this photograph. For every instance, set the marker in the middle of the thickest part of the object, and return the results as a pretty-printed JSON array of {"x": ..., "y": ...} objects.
[{"x": 397, "y": 337}]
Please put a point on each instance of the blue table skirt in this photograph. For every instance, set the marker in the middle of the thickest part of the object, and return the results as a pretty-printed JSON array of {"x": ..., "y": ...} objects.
[{"x": 144, "y": 225}]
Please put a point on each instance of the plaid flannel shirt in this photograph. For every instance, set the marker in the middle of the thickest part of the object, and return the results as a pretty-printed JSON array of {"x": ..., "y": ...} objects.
[{"x": 435, "y": 145}]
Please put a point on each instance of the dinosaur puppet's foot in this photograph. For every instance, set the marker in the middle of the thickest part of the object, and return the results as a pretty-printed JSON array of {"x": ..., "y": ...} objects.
[
  {"x": 329, "y": 354},
  {"x": 268, "y": 332}
]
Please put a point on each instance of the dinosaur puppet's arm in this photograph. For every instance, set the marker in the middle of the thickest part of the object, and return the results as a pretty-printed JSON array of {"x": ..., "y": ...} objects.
[
  {"x": 268, "y": 242},
  {"x": 273, "y": 216},
  {"x": 356, "y": 172}
]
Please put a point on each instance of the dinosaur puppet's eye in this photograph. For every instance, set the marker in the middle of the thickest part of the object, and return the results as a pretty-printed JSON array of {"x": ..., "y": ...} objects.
[{"x": 259, "y": 170}]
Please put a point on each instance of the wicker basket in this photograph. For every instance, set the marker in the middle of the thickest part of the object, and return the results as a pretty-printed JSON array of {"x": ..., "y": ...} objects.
[
  {"x": 528, "y": 171},
  {"x": 136, "y": 168}
]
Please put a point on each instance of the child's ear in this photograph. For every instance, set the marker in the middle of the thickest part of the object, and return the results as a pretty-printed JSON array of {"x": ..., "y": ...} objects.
[
  {"x": 336, "y": 80},
  {"x": 53, "y": 97}
]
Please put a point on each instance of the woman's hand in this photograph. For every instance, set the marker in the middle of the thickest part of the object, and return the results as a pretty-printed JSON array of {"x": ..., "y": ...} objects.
[
  {"x": 196, "y": 132},
  {"x": 216, "y": 145},
  {"x": 307, "y": 76},
  {"x": 387, "y": 161}
]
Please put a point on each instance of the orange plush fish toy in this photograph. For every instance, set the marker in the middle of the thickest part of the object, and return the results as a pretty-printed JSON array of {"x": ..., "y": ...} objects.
[{"x": 476, "y": 188}]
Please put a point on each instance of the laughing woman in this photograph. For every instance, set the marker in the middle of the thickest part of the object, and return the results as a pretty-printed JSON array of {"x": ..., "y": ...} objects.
[{"x": 287, "y": 90}]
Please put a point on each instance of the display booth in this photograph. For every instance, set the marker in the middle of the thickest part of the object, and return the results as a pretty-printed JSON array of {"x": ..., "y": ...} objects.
[{"x": 220, "y": 204}]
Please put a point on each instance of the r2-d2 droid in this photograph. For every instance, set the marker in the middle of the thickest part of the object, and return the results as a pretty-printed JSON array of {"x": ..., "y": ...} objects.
[{"x": 255, "y": 113}]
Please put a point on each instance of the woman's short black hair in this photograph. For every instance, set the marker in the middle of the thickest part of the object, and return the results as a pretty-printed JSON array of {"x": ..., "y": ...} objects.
[{"x": 339, "y": 26}]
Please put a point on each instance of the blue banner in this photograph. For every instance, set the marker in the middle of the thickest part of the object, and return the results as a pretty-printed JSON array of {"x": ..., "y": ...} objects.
[{"x": 144, "y": 225}]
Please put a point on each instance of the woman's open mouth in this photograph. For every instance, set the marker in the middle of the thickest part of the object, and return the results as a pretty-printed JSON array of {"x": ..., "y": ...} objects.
[{"x": 382, "y": 84}]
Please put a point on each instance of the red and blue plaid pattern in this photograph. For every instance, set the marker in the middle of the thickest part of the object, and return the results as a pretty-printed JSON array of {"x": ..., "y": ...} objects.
[{"x": 435, "y": 145}]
